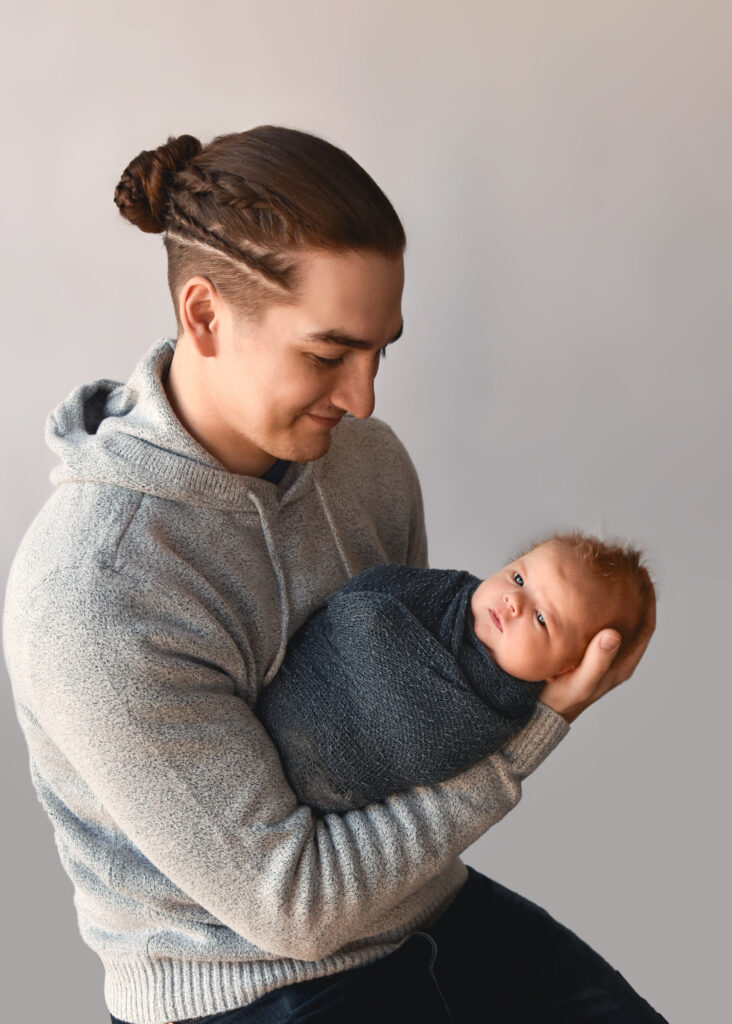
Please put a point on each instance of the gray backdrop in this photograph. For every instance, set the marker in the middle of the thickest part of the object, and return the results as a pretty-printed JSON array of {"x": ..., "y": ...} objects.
[{"x": 563, "y": 171}]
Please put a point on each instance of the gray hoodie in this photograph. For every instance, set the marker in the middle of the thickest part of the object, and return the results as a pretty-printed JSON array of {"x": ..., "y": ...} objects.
[{"x": 148, "y": 604}]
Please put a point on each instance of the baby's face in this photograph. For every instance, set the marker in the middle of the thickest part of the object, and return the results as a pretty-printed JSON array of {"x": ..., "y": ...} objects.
[{"x": 533, "y": 615}]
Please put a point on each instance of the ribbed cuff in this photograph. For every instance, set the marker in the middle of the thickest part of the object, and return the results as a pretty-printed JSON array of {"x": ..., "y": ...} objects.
[{"x": 544, "y": 731}]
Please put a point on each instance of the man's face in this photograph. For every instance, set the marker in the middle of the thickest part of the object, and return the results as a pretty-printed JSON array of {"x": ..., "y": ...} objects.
[
  {"x": 277, "y": 388},
  {"x": 533, "y": 615}
]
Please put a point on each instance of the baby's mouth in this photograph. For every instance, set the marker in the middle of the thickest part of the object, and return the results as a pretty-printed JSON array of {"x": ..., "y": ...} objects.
[{"x": 496, "y": 620}]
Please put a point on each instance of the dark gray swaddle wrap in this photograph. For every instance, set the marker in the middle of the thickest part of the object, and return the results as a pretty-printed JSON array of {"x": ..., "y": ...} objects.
[{"x": 386, "y": 687}]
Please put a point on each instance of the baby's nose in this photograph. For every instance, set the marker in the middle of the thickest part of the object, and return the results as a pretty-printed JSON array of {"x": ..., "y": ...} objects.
[{"x": 512, "y": 602}]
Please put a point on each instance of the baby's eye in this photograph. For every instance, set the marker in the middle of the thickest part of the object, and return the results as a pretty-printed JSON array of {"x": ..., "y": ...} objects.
[
  {"x": 518, "y": 579},
  {"x": 540, "y": 619}
]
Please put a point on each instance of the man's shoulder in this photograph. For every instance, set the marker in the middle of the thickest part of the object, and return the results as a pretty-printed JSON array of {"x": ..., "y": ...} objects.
[
  {"x": 371, "y": 443},
  {"x": 368, "y": 474},
  {"x": 76, "y": 531}
]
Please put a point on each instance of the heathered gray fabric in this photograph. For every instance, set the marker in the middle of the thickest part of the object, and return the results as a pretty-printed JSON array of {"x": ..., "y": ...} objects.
[
  {"x": 150, "y": 599},
  {"x": 387, "y": 687}
]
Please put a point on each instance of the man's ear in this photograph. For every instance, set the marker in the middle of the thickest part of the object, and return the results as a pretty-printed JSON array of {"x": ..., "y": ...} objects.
[
  {"x": 200, "y": 313},
  {"x": 563, "y": 672}
]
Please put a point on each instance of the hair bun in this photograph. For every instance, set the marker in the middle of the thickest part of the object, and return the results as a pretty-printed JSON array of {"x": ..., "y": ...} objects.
[{"x": 144, "y": 188}]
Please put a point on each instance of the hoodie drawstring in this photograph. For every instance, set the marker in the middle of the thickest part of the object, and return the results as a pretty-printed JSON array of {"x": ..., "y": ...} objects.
[
  {"x": 284, "y": 602},
  {"x": 282, "y": 585},
  {"x": 334, "y": 532}
]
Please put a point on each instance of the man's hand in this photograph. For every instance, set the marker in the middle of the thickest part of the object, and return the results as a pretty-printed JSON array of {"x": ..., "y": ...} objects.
[{"x": 597, "y": 673}]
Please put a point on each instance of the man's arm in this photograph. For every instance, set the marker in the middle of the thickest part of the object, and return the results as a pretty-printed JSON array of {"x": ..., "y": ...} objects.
[
  {"x": 134, "y": 687},
  {"x": 369, "y": 702}
]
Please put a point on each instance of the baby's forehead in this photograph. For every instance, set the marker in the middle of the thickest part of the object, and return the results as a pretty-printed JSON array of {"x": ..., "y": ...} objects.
[
  {"x": 559, "y": 564},
  {"x": 552, "y": 556}
]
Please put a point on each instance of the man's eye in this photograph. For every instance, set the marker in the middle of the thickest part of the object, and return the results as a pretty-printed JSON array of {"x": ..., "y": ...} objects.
[
  {"x": 518, "y": 579},
  {"x": 541, "y": 620},
  {"x": 323, "y": 361}
]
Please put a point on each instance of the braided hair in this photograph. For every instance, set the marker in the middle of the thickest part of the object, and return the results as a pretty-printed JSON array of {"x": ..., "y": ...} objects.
[{"x": 238, "y": 210}]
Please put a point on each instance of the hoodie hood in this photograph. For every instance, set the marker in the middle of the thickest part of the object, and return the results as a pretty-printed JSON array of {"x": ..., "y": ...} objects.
[{"x": 127, "y": 435}]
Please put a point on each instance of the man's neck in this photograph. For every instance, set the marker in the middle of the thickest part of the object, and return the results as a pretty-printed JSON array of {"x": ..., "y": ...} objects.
[{"x": 187, "y": 392}]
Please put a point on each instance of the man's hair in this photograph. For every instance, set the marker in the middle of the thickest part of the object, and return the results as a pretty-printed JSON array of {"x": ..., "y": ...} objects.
[
  {"x": 239, "y": 209},
  {"x": 619, "y": 569}
]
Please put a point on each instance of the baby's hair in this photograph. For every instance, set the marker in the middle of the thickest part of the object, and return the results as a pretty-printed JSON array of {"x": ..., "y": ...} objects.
[
  {"x": 617, "y": 566},
  {"x": 238, "y": 210}
]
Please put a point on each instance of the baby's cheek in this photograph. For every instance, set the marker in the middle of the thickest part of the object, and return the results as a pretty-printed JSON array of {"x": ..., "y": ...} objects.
[{"x": 525, "y": 662}]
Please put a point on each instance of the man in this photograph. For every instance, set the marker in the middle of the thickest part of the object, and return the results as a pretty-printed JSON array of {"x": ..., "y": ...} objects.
[{"x": 203, "y": 511}]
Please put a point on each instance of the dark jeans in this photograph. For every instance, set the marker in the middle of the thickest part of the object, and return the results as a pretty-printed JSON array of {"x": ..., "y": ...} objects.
[{"x": 491, "y": 957}]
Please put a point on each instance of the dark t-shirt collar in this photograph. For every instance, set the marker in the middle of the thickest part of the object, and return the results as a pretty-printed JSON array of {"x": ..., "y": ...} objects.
[{"x": 275, "y": 473}]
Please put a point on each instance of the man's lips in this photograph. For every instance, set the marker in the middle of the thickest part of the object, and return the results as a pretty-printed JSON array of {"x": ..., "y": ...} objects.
[
  {"x": 326, "y": 421},
  {"x": 495, "y": 619}
]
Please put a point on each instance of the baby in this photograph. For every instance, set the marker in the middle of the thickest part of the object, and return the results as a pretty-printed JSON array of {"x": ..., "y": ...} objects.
[{"x": 407, "y": 676}]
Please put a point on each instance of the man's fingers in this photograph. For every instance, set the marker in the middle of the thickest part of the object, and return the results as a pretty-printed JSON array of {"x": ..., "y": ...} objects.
[
  {"x": 598, "y": 672},
  {"x": 609, "y": 640},
  {"x": 598, "y": 658},
  {"x": 570, "y": 694}
]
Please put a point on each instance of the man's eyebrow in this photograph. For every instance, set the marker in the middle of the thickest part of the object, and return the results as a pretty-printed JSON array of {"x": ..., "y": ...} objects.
[{"x": 336, "y": 337}]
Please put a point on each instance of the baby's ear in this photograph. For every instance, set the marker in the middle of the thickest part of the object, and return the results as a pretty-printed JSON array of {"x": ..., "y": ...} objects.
[{"x": 563, "y": 672}]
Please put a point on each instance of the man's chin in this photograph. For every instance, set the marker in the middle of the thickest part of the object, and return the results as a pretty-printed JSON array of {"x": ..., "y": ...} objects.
[{"x": 304, "y": 452}]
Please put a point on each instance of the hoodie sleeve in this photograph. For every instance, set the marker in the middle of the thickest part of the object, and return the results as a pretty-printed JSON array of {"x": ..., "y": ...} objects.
[{"x": 132, "y": 688}]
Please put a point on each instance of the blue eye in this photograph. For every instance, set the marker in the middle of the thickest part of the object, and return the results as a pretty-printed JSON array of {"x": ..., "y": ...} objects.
[
  {"x": 518, "y": 579},
  {"x": 541, "y": 620}
]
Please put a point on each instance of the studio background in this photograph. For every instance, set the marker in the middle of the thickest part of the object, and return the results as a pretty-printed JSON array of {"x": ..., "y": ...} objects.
[{"x": 563, "y": 173}]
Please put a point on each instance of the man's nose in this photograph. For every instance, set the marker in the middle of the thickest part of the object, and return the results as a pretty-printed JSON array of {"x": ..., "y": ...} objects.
[{"x": 354, "y": 392}]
